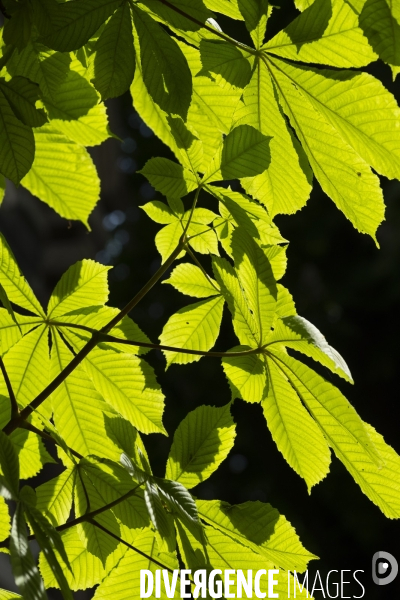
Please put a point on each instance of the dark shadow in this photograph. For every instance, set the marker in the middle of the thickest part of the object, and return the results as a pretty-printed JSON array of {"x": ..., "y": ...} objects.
[
  {"x": 376, "y": 19},
  {"x": 245, "y": 153},
  {"x": 221, "y": 59},
  {"x": 311, "y": 24}
]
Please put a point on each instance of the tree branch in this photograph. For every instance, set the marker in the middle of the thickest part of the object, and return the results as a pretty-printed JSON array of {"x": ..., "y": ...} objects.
[
  {"x": 47, "y": 437},
  {"x": 15, "y": 422},
  {"x": 220, "y": 34},
  {"x": 116, "y": 537},
  {"x": 13, "y": 400}
]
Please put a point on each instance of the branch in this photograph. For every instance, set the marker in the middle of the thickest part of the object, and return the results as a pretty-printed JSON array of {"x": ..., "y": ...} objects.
[
  {"x": 13, "y": 400},
  {"x": 48, "y": 437},
  {"x": 96, "y": 524},
  {"x": 220, "y": 34},
  {"x": 86, "y": 517},
  {"x": 198, "y": 263},
  {"x": 15, "y": 422}
]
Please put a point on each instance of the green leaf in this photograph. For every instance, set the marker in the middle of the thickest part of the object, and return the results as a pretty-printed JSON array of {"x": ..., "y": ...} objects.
[
  {"x": 63, "y": 175},
  {"x": 70, "y": 25},
  {"x": 24, "y": 568},
  {"x": 54, "y": 497},
  {"x": 14, "y": 283},
  {"x": 225, "y": 63},
  {"x": 326, "y": 33},
  {"x": 244, "y": 153},
  {"x": 256, "y": 279},
  {"x": 22, "y": 95},
  {"x": 261, "y": 528},
  {"x": 159, "y": 212},
  {"x": 7, "y": 305},
  {"x": 211, "y": 111},
  {"x": 75, "y": 110},
  {"x": 193, "y": 327},
  {"x": 201, "y": 443},
  {"x": 48, "y": 539},
  {"x": 41, "y": 65},
  {"x": 380, "y": 484},
  {"x": 161, "y": 519},
  {"x": 382, "y": 29},
  {"x": 114, "y": 63},
  {"x": 6, "y": 595},
  {"x": 78, "y": 408},
  {"x": 246, "y": 375},
  {"x": 195, "y": 8},
  {"x": 83, "y": 284},
  {"x": 128, "y": 384},
  {"x": 181, "y": 504},
  {"x": 164, "y": 68},
  {"x": 285, "y": 186},
  {"x": 357, "y": 191},
  {"x": 226, "y": 7},
  {"x": 243, "y": 320},
  {"x": 32, "y": 454},
  {"x": 169, "y": 178},
  {"x": 17, "y": 145},
  {"x": 190, "y": 280},
  {"x": 9, "y": 465},
  {"x": 255, "y": 14},
  {"x": 296, "y": 434},
  {"x": 87, "y": 569},
  {"x": 344, "y": 430},
  {"x": 298, "y": 333},
  {"x": 123, "y": 582},
  {"x": 27, "y": 364},
  {"x": 5, "y": 523}
]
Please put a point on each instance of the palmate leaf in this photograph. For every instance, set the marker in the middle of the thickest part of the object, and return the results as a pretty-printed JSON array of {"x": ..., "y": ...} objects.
[
  {"x": 326, "y": 33},
  {"x": 190, "y": 280},
  {"x": 123, "y": 581},
  {"x": 17, "y": 147},
  {"x": 201, "y": 443},
  {"x": 63, "y": 175},
  {"x": 7, "y": 305},
  {"x": 261, "y": 528},
  {"x": 75, "y": 111},
  {"x": 32, "y": 453},
  {"x": 226, "y": 7},
  {"x": 84, "y": 284},
  {"x": 357, "y": 191},
  {"x": 24, "y": 568},
  {"x": 295, "y": 433},
  {"x": 114, "y": 63},
  {"x": 164, "y": 68},
  {"x": 15, "y": 285},
  {"x": 67, "y": 27},
  {"x": 195, "y": 8},
  {"x": 194, "y": 327}
]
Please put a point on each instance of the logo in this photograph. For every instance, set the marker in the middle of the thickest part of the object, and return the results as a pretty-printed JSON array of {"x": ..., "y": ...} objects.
[{"x": 384, "y": 568}]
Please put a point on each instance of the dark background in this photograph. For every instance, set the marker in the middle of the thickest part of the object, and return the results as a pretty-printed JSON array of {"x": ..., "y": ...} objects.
[{"x": 340, "y": 282}]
